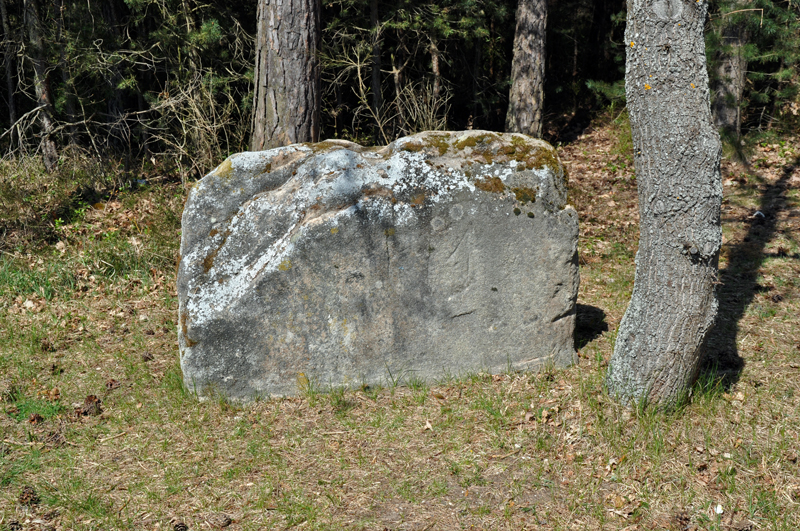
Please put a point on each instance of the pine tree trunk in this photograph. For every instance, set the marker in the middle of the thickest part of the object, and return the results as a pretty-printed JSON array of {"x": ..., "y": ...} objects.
[
  {"x": 287, "y": 93},
  {"x": 118, "y": 135},
  {"x": 676, "y": 155},
  {"x": 41, "y": 83},
  {"x": 526, "y": 98},
  {"x": 437, "y": 73},
  {"x": 65, "y": 74},
  {"x": 10, "y": 59},
  {"x": 731, "y": 67},
  {"x": 377, "y": 100}
]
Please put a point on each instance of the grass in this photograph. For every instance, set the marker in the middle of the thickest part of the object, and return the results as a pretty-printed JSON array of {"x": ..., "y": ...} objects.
[{"x": 96, "y": 316}]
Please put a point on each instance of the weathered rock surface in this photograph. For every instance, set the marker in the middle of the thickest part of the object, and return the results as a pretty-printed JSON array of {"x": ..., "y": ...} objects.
[{"x": 335, "y": 264}]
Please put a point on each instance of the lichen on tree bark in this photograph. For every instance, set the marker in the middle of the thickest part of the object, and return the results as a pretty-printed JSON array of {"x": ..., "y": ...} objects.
[{"x": 677, "y": 152}]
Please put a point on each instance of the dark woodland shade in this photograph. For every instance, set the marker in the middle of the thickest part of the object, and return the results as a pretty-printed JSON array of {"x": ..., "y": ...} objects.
[{"x": 287, "y": 85}]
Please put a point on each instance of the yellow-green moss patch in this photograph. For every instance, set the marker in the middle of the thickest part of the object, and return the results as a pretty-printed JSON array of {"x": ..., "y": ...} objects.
[
  {"x": 491, "y": 184},
  {"x": 208, "y": 261},
  {"x": 440, "y": 142},
  {"x": 473, "y": 141},
  {"x": 414, "y": 147},
  {"x": 224, "y": 170},
  {"x": 524, "y": 194}
]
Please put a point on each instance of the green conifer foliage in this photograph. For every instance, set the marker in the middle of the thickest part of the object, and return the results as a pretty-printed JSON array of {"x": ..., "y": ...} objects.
[{"x": 772, "y": 53}]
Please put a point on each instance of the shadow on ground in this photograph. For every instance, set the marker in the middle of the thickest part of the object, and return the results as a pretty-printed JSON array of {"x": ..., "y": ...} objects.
[
  {"x": 590, "y": 323},
  {"x": 739, "y": 285}
]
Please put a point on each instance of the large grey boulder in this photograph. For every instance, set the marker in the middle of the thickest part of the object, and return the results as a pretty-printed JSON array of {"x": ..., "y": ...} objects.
[{"x": 333, "y": 264}]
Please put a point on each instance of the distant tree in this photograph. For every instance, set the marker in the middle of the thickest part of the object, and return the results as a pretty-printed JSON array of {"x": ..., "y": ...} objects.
[
  {"x": 286, "y": 106},
  {"x": 677, "y": 160},
  {"x": 731, "y": 67},
  {"x": 9, "y": 56},
  {"x": 41, "y": 81},
  {"x": 526, "y": 98}
]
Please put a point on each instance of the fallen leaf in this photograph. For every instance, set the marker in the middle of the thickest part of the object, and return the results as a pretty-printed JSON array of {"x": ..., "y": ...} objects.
[
  {"x": 428, "y": 425},
  {"x": 220, "y": 520},
  {"x": 91, "y": 406},
  {"x": 28, "y": 496},
  {"x": 55, "y": 439}
]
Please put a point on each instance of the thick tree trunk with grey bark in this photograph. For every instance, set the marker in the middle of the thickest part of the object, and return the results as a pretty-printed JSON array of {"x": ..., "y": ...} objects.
[
  {"x": 287, "y": 93},
  {"x": 526, "y": 98},
  {"x": 731, "y": 67},
  {"x": 44, "y": 97},
  {"x": 676, "y": 155}
]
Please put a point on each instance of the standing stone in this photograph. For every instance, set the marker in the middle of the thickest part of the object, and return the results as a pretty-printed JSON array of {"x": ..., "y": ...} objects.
[{"x": 333, "y": 264}]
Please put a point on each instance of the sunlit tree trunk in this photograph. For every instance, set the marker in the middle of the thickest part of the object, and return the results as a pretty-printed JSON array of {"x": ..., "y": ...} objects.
[
  {"x": 676, "y": 155},
  {"x": 44, "y": 97},
  {"x": 286, "y": 106},
  {"x": 526, "y": 98}
]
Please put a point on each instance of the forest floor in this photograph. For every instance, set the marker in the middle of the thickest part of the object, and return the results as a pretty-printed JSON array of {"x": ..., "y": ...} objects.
[{"x": 98, "y": 432}]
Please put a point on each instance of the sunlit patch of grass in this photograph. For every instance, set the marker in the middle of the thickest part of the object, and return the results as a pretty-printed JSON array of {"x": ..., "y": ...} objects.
[
  {"x": 25, "y": 408},
  {"x": 45, "y": 279}
]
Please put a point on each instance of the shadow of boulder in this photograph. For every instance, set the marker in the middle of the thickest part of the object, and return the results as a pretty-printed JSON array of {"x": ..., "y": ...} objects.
[{"x": 590, "y": 322}]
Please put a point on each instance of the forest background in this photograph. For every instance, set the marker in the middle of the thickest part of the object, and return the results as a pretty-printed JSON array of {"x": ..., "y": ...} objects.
[{"x": 111, "y": 94}]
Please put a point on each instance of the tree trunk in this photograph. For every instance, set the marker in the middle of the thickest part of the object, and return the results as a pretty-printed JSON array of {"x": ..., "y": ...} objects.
[
  {"x": 10, "y": 57},
  {"x": 731, "y": 67},
  {"x": 65, "y": 74},
  {"x": 437, "y": 72},
  {"x": 377, "y": 102},
  {"x": 676, "y": 155},
  {"x": 526, "y": 98},
  {"x": 41, "y": 82},
  {"x": 286, "y": 106},
  {"x": 118, "y": 135}
]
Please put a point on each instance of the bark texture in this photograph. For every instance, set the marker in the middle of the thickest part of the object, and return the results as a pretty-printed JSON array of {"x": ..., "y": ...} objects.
[
  {"x": 730, "y": 76},
  {"x": 44, "y": 97},
  {"x": 287, "y": 93},
  {"x": 10, "y": 61},
  {"x": 526, "y": 98},
  {"x": 377, "y": 102},
  {"x": 676, "y": 155}
]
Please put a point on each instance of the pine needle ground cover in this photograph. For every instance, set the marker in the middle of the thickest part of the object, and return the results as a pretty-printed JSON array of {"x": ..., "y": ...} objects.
[{"x": 98, "y": 433}]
